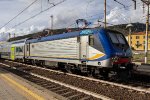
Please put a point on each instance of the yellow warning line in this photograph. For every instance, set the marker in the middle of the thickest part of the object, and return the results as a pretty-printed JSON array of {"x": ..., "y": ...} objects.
[{"x": 23, "y": 88}]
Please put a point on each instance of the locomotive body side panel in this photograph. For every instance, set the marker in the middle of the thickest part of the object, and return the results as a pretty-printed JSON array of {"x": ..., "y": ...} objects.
[{"x": 63, "y": 48}]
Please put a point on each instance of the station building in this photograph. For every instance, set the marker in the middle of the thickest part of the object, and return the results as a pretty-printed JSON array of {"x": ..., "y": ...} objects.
[{"x": 138, "y": 41}]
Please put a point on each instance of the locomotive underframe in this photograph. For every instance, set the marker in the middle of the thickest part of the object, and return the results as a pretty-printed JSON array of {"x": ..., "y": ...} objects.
[{"x": 120, "y": 69}]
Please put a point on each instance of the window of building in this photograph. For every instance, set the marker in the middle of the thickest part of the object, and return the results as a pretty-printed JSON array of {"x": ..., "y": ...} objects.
[
  {"x": 137, "y": 37},
  {"x": 137, "y": 44},
  {"x": 143, "y": 42},
  {"x": 148, "y": 36},
  {"x": 131, "y": 37},
  {"x": 143, "y": 37}
]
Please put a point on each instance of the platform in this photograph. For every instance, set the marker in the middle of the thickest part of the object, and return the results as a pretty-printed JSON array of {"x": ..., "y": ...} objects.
[{"x": 13, "y": 87}]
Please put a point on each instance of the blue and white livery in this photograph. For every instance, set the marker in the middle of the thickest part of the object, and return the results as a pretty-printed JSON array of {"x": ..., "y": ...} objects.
[{"x": 90, "y": 50}]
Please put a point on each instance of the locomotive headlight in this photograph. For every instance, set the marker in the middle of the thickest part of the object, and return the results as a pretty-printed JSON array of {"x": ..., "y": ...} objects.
[{"x": 115, "y": 59}]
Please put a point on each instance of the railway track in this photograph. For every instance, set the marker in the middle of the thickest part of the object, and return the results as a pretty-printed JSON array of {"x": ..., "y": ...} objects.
[
  {"x": 65, "y": 92},
  {"x": 109, "y": 90}
]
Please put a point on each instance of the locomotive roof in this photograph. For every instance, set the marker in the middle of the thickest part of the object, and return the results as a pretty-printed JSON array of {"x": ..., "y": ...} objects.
[
  {"x": 19, "y": 41},
  {"x": 63, "y": 36}
]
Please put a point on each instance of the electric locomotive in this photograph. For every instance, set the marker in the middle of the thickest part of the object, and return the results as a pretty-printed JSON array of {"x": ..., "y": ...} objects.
[{"x": 92, "y": 51}]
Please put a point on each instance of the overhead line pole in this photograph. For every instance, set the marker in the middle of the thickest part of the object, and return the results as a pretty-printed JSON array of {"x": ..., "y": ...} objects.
[
  {"x": 147, "y": 2},
  {"x": 105, "y": 14},
  {"x": 134, "y": 4},
  {"x": 51, "y": 22},
  {"x": 146, "y": 37}
]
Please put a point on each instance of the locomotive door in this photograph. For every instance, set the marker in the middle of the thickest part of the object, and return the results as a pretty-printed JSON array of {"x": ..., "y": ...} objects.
[
  {"x": 84, "y": 47},
  {"x": 27, "y": 50}
]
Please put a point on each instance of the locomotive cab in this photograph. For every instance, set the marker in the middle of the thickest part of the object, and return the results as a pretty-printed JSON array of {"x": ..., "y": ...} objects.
[
  {"x": 121, "y": 53},
  {"x": 121, "y": 49},
  {"x": 104, "y": 51}
]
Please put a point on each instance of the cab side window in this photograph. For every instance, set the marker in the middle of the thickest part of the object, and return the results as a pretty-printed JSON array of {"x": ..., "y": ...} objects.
[{"x": 91, "y": 40}]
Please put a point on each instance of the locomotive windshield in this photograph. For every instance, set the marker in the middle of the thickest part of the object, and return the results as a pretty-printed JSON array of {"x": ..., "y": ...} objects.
[{"x": 118, "y": 40}]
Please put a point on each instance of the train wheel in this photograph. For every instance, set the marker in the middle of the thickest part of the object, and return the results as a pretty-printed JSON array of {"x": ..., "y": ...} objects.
[
  {"x": 104, "y": 73},
  {"x": 32, "y": 62},
  {"x": 68, "y": 68},
  {"x": 124, "y": 75},
  {"x": 61, "y": 66},
  {"x": 37, "y": 62},
  {"x": 43, "y": 64},
  {"x": 94, "y": 73},
  {"x": 91, "y": 72}
]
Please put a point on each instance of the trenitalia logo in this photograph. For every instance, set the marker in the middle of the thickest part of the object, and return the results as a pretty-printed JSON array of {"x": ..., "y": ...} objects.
[{"x": 86, "y": 32}]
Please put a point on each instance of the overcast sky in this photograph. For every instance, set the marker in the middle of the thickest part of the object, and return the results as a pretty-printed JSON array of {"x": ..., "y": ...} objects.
[{"x": 64, "y": 14}]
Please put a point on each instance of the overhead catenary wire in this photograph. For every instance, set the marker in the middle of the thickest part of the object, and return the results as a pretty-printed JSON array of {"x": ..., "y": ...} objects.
[
  {"x": 90, "y": 17},
  {"x": 120, "y": 9},
  {"x": 51, "y": 3},
  {"x": 38, "y": 13},
  {"x": 18, "y": 14},
  {"x": 127, "y": 6},
  {"x": 136, "y": 5},
  {"x": 42, "y": 12},
  {"x": 123, "y": 8},
  {"x": 120, "y": 3},
  {"x": 120, "y": 14}
]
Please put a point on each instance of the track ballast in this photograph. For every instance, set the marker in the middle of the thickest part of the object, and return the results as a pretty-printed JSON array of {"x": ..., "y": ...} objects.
[{"x": 108, "y": 89}]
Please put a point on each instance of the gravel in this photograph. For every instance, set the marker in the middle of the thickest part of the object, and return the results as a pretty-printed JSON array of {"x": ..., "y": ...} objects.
[{"x": 115, "y": 92}]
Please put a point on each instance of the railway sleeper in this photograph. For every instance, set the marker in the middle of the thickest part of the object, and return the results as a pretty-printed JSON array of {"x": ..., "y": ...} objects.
[
  {"x": 62, "y": 90},
  {"x": 75, "y": 95}
]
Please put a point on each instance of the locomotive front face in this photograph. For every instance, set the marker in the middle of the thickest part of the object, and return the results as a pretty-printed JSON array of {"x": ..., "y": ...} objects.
[
  {"x": 120, "y": 47},
  {"x": 114, "y": 46},
  {"x": 120, "y": 52}
]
